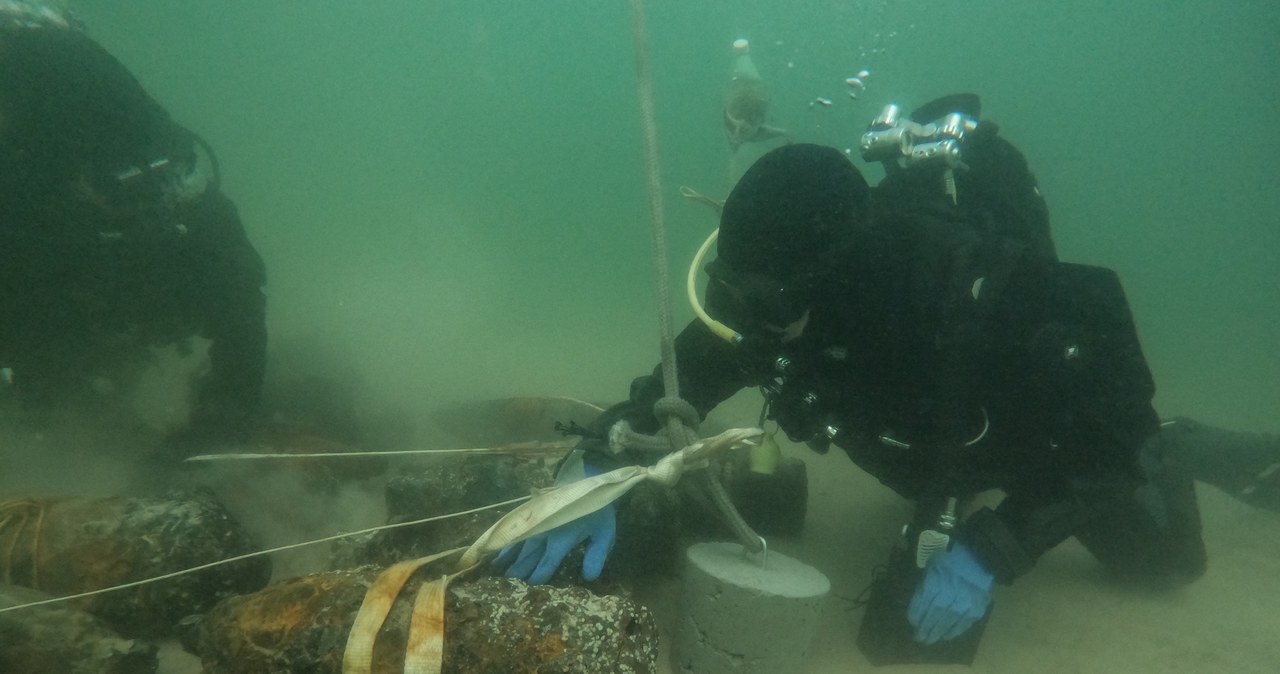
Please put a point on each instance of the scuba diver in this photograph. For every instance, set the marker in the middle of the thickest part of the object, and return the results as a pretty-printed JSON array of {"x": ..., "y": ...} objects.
[
  {"x": 926, "y": 327},
  {"x": 746, "y": 113},
  {"x": 114, "y": 235},
  {"x": 746, "y": 102}
]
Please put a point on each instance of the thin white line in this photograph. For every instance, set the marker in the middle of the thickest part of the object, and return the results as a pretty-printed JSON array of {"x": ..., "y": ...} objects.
[
  {"x": 259, "y": 553},
  {"x": 507, "y": 449}
]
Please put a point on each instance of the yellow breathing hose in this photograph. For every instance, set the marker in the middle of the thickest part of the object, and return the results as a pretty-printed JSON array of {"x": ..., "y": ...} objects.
[
  {"x": 766, "y": 454},
  {"x": 721, "y": 330}
]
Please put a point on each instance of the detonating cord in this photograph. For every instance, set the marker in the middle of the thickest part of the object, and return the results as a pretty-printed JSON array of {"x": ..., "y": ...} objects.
[{"x": 519, "y": 449}]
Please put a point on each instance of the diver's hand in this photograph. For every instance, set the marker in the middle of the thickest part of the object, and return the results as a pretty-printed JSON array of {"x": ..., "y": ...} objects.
[
  {"x": 540, "y": 555},
  {"x": 953, "y": 595}
]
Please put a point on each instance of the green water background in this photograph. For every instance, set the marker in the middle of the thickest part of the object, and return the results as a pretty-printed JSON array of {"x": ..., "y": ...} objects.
[{"x": 450, "y": 194}]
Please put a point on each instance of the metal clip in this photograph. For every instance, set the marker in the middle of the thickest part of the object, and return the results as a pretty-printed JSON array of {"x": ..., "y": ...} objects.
[
  {"x": 764, "y": 552},
  {"x": 933, "y": 541}
]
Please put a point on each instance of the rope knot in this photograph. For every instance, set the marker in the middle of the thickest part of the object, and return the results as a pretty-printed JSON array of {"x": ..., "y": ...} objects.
[{"x": 669, "y": 406}]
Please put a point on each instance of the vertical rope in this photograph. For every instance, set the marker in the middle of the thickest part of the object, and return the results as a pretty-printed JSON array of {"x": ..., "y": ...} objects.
[
  {"x": 678, "y": 434},
  {"x": 644, "y": 87}
]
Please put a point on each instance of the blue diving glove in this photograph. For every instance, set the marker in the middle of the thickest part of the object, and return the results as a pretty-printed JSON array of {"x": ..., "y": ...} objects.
[
  {"x": 953, "y": 595},
  {"x": 540, "y": 555}
]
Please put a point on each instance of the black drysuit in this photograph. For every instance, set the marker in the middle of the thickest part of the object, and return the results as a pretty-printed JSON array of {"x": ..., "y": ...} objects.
[
  {"x": 109, "y": 241},
  {"x": 947, "y": 357}
]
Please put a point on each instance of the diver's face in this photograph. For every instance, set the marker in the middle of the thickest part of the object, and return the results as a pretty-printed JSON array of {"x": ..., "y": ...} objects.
[
  {"x": 793, "y": 329},
  {"x": 759, "y": 302}
]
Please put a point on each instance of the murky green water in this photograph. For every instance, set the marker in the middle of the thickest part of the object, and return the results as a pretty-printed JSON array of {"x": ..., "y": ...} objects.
[{"x": 454, "y": 190}]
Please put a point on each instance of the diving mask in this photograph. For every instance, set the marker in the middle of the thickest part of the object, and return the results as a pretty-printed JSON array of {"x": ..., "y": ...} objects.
[{"x": 756, "y": 301}]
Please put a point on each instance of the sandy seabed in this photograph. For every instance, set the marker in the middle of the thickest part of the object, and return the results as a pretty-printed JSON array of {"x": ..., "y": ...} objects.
[{"x": 1064, "y": 616}]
